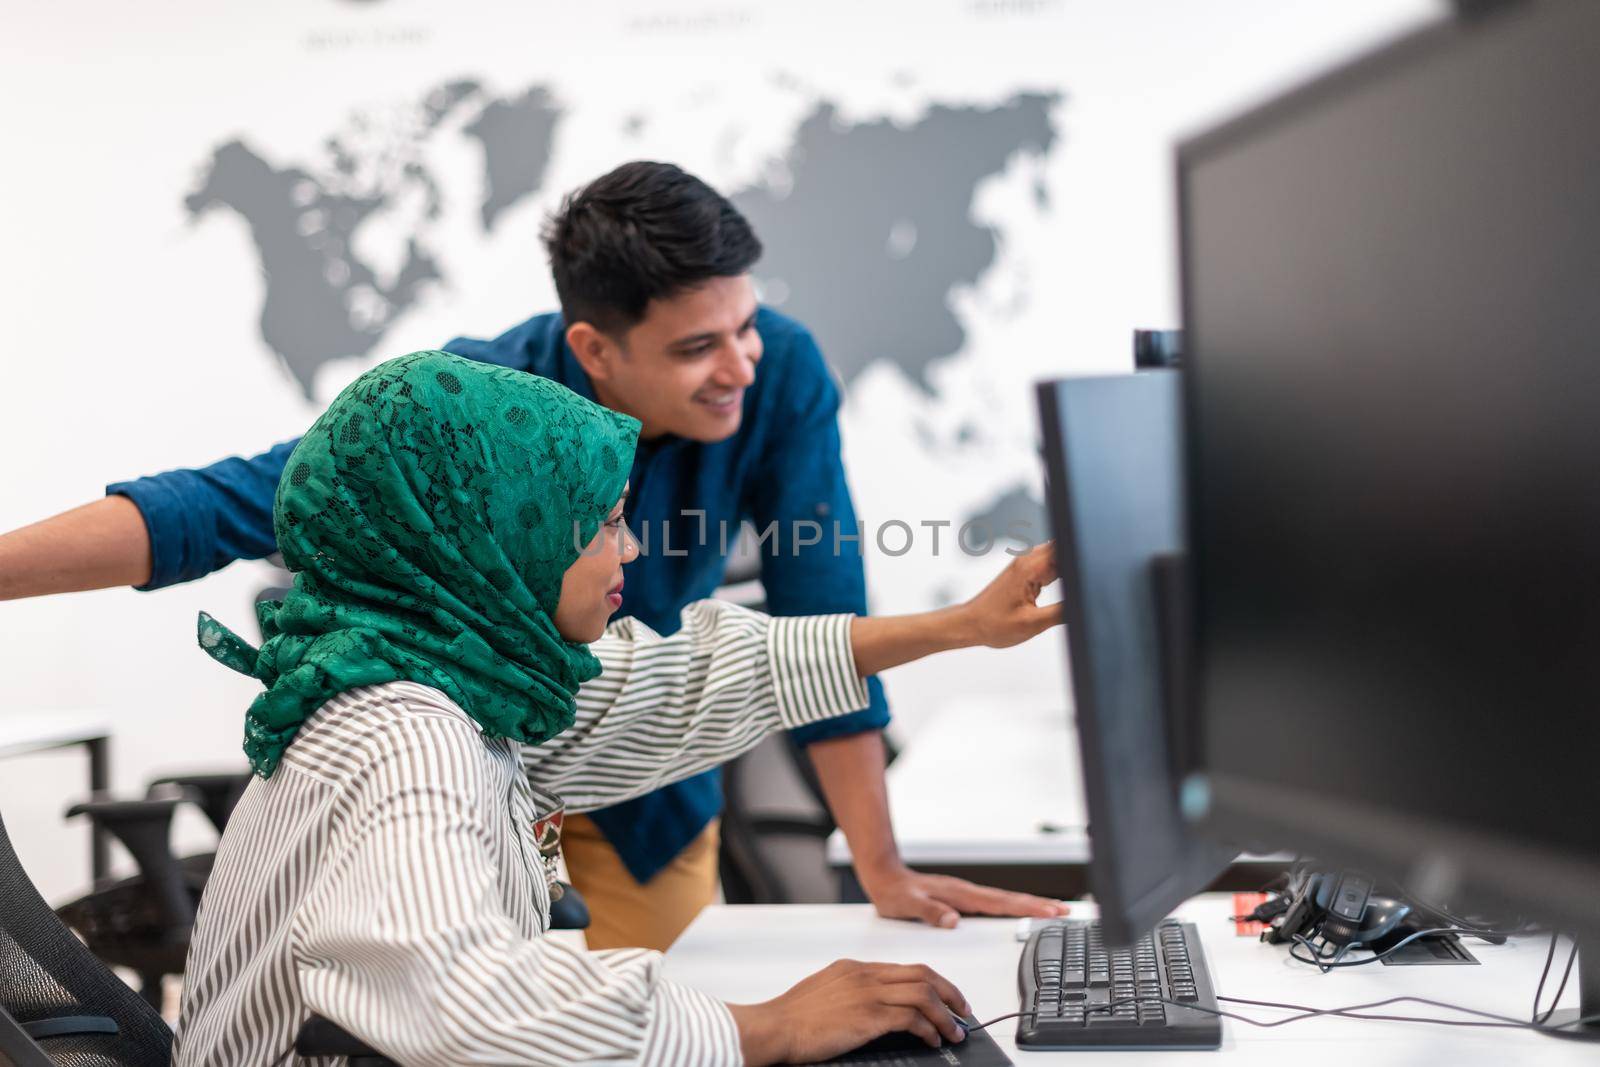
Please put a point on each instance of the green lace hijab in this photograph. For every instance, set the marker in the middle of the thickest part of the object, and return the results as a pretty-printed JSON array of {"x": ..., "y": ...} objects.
[{"x": 429, "y": 516}]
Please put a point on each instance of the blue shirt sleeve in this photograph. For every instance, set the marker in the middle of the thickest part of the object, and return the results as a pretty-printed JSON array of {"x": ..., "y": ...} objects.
[
  {"x": 200, "y": 520},
  {"x": 800, "y": 485}
]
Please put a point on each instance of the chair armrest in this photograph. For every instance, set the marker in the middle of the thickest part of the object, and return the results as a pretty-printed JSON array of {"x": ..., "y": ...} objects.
[
  {"x": 70, "y": 1026},
  {"x": 143, "y": 827},
  {"x": 217, "y": 794}
]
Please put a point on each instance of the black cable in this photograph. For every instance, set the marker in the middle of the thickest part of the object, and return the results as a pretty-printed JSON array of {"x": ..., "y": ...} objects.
[
  {"x": 1324, "y": 966},
  {"x": 1462, "y": 926},
  {"x": 998, "y": 1019},
  {"x": 1549, "y": 957},
  {"x": 1318, "y": 955},
  {"x": 1352, "y": 1011},
  {"x": 1562, "y": 988},
  {"x": 1524, "y": 927},
  {"x": 1319, "y": 959},
  {"x": 1488, "y": 933},
  {"x": 1266, "y": 911}
]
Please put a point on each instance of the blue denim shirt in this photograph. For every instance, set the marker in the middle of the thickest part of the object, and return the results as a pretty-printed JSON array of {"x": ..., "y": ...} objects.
[{"x": 781, "y": 471}]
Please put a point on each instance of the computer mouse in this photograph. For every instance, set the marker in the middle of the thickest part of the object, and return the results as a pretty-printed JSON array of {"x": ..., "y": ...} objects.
[
  {"x": 904, "y": 1040},
  {"x": 1382, "y": 916}
]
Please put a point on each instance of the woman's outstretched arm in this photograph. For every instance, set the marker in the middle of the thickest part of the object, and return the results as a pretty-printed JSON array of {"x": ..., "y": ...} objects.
[{"x": 666, "y": 708}]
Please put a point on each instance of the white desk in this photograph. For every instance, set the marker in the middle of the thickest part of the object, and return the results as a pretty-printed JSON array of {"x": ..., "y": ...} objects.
[
  {"x": 39, "y": 731},
  {"x": 979, "y": 784},
  {"x": 747, "y": 954},
  {"x": 995, "y": 793}
]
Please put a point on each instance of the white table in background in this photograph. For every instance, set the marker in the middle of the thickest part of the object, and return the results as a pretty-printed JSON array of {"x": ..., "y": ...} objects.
[
  {"x": 752, "y": 953},
  {"x": 994, "y": 793},
  {"x": 39, "y": 731}
]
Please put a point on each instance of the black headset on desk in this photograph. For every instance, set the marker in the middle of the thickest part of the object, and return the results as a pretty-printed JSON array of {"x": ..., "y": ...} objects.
[{"x": 1330, "y": 913}]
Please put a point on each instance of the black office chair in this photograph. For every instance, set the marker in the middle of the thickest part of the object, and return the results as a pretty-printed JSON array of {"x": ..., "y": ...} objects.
[
  {"x": 215, "y": 794},
  {"x": 143, "y": 922},
  {"x": 775, "y": 828},
  {"x": 775, "y": 818},
  {"x": 322, "y": 1037},
  {"x": 59, "y": 1005}
]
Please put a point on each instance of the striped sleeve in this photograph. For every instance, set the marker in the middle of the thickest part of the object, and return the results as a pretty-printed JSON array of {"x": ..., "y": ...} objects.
[
  {"x": 688, "y": 1028},
  {"x": 405, "y": 939},
  {"x": 667, "y": 708},
  {"x": 813, "y": 669}
]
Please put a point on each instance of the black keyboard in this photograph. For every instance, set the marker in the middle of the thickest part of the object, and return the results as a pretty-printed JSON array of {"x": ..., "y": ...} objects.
[{"x": 1083, "y": 995}]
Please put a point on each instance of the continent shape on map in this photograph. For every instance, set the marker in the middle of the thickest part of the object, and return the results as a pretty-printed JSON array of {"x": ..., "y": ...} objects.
[
  {"x": 314, "y": 281},
  {"x": 1015, "y": 515},
  {"x": 874, "y": 226},
  {"x": 517, "y": 136},
  {"x": 322, "y": 301}
]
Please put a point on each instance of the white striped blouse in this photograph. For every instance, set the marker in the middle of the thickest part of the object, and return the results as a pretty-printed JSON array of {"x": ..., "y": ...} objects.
[{"x": 387, "y": 876}]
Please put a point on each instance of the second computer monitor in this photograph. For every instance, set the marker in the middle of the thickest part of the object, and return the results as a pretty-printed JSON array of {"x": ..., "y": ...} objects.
[
  {"x": 1112, "y": 454},
  {"x": 1391, "y": 286}
]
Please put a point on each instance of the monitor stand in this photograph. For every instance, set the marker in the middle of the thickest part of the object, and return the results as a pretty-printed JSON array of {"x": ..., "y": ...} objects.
[{"x": 1588, "y": 997}]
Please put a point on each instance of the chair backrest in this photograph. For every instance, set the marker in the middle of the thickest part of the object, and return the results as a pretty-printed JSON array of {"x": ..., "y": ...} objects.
[
  {"x": 775, "y": 824},
  {"x": 774, "y": 829},
  {"x": 48, "y": 978},
  {"x": 775, "y": 819}
]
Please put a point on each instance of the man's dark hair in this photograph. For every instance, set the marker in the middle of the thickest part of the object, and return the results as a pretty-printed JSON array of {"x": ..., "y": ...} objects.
[{"x": 644, "y": 231}]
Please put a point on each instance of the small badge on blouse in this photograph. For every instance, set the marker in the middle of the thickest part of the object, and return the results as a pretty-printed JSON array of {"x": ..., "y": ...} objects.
[{"x": 547, "y": 835}]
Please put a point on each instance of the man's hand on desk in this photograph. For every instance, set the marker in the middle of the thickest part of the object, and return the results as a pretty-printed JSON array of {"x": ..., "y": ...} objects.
[
  {"x": 851, "y": 772},
  {"x": 940, "y": 900}
]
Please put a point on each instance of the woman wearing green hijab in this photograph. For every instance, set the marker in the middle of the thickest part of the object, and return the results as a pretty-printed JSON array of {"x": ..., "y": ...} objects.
[{"x": 441, "y": 684}]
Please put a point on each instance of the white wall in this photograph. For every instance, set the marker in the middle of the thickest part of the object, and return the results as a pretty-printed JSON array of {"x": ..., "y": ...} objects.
[{"x": 133, "y": 336}]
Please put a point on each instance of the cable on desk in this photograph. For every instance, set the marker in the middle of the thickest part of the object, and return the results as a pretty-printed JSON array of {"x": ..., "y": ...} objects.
[
  {"x": 999, "y": 1019},
  {"x": 1462, "y": 926},
  {"x": 1562, "y": 988},
  {"x": 1352, "y": 1011},
  {"x": 1549, "y": 957},
  {"x": 1324, "y": 964},
  {"x": 1467, "y": 923}
]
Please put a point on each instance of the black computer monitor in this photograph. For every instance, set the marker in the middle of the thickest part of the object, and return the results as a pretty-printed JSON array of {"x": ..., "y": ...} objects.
[
  {"x": 1112, "y": 453},
  {"x": 1391, "y": 296}
]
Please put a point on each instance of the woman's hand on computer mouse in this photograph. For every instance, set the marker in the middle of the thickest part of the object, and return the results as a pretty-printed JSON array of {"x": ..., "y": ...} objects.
[
  {"x": 845, "y": 1005},
  {"x": 1007, "y": 611}
]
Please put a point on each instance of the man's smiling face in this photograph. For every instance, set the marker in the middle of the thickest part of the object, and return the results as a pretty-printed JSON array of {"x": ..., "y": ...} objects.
[{"x": 684, "y": 367}]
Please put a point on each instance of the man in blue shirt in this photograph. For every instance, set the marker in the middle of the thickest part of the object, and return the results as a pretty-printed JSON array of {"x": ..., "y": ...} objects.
[{"x": 659, "y": 320}]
